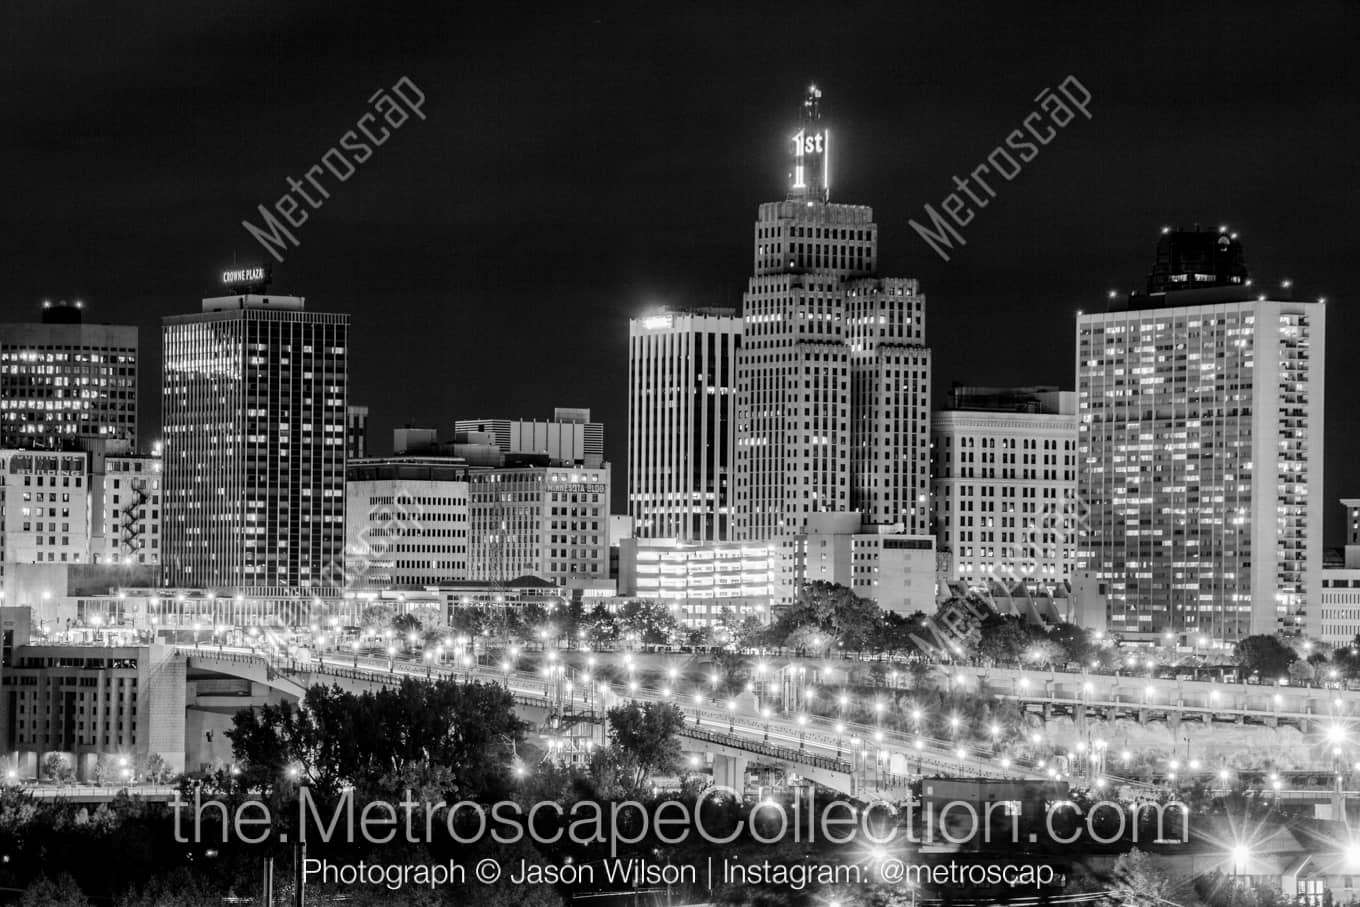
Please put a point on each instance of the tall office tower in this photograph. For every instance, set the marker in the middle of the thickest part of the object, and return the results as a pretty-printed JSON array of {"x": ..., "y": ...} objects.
[
  {"x": 61, "y": 379},
  {"x": 889, "y": 403},
  {"x": 682, "y": 415},
  {"x": 254, "y": 411},
  {"x": 568, "y": 438},
  {"x": 1005, "y": 485},
  {"x": 1200, "y": 450},
  {"x": 795, "y": 397}
]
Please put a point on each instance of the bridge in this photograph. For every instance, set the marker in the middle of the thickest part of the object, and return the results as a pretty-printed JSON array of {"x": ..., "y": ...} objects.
[
  {"x": 1147, "y": 698},
  {"x": 857, "y": 760}
]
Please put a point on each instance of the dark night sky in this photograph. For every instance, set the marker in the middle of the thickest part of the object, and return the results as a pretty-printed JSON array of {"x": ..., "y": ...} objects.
[{"x": 582, "y": 161}]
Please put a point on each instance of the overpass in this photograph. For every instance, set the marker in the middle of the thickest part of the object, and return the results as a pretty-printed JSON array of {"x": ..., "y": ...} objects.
[
  {"x": 1147, "y": 698},
  {"x": 857, "y": 760}
]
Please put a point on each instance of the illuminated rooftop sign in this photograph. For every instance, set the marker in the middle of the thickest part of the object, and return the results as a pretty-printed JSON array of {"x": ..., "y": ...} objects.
[
  {"x": 245, "y": 277},
  {"x": 811, "y": 177}
]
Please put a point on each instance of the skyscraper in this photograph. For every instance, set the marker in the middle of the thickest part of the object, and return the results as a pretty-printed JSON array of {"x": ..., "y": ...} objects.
[
  {"x": 682, "y": 403},
  {"x": 832, "y": 374},
  {"x": 254, "y": 408},
  {"x": 61, "y": 379},
  {"x": 1200, "y": 451},
  {"x": 889, "y": 402}
]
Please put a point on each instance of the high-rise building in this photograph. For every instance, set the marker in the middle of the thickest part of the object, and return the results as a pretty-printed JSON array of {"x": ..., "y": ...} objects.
[
  {"x": 1200, "y": 454},
  {"x": 254, "y": 410},
  {"x": 569, "y": 438},
  {"x": 61, "y": 379},
  {"x": 889, "y": 403},
  {"x": 832, "y": 374},
  {"x": 1005, "y": 485},
  {"x": 682, "y": 404}
]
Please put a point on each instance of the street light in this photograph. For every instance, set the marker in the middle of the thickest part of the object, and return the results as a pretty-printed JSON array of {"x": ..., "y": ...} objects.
[
  {"x": 731, "y": 716},
  {"x": 802, "y": 733}
]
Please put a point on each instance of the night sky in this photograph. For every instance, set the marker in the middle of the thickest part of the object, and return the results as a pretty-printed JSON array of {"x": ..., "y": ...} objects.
[{"x": 581, "y": 162}]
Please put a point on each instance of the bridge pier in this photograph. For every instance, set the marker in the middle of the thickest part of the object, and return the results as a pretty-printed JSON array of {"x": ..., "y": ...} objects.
[{"x": 730, "y": 771}]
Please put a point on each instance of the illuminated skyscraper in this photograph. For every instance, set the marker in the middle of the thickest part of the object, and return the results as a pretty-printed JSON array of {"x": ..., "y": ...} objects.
[
  {"x": 833, "y": 375},
  {"x": 1200, "y": 454},
  {"x": 61, "y": 379},
  {"x": 682, "y": 405},
  {"x": 254, "y": 410}
]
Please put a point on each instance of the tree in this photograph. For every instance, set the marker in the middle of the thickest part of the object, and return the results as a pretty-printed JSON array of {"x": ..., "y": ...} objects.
[
  {"x": 56, "y": 767},
  {"x": 647, "y": 735},
  {"x": 653, "y": 623},
  {"x": 1137, "y": 882},
  {"x": 825, "y": 613},
  {"x": 1078, "y": 644},
  {"x": 1265, "y": 655},
  {"x": 1302, "y": 672},
  {"x": 1005, "y": 639},
  {"x": 43, "y": 892},
  {"x": 340, "y": 738}
]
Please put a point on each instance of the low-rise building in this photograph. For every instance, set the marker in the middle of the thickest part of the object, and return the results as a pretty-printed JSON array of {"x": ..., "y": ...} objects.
[
  {"x": 88, "y": 702},
  {"x": 406, "y": 521},
  {"x": 705, "y": 582},
  {"x": 881, "y": 563},
  {"x": 1336, "y": 620}
]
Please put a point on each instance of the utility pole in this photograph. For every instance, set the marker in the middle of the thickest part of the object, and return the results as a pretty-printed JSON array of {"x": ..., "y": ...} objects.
[
  {"x": 267, "y": 883},
  {"x": 299, "y": 880}
]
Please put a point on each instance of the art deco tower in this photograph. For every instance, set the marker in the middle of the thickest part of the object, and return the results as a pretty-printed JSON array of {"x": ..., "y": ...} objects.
[{"x": 832, "y": 374}]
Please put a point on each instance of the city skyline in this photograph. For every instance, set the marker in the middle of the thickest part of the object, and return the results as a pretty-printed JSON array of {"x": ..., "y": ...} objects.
[{"x": 672, "y": 205}]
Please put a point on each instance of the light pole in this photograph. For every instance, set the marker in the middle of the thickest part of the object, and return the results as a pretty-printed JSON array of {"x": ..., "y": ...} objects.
[
  {"x": 802, "y": 733},
  {"x": 765, "y": 713},
  {"x": 731, "y": 716}
]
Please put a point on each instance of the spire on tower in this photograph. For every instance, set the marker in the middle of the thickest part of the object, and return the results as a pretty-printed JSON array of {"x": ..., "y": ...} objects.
[{"x": 810, "y": 178}]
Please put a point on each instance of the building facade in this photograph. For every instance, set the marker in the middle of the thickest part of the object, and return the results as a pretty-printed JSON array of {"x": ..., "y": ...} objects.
[
  {"x": 544, "y": 521},
  {"x": 682, "y": 405},
  {"x": 62, "y": 379},
  {"x": 87, "y": 507},
  {"x": 1200, "y": 460},
  {"x": 91, "y": 704},
  {"x": 1005, "y": 487},
  {"x": 832, "y": 374},
  {"x": 356, "y": 432},
  {"x": 254, "y": 409},
  {"x": 1336, "y": 620},
  {"x": 885, "y": 564},
  {"x": 406, "y": 522},
  {"x": 706, "y": 583}
]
